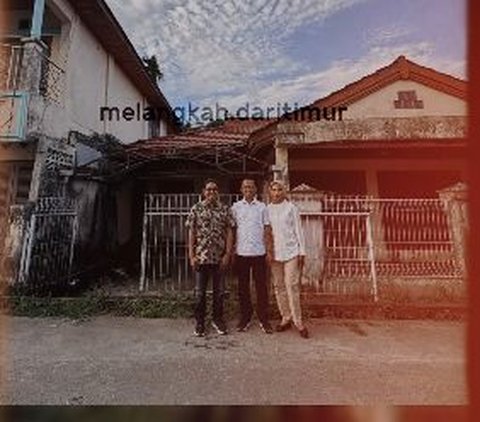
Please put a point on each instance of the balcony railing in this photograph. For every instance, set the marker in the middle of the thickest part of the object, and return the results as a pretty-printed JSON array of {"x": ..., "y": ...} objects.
[
  {"x": 35, "y": 72},
  {"x": 52, "y": 80},
  {"x": 10, "y": 66}
]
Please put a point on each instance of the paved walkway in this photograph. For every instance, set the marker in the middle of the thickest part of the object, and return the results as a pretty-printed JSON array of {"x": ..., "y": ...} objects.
[{"x": 110, "y": 360}]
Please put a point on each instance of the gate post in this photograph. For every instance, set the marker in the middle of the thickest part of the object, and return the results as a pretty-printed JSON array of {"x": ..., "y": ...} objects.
[
  {"x": 371, "y": 256},
  {"x": 13, "y": 243},
  {"x": 143, "y": 258},
  {"x": 309, "y": 200},
  {"x": 29, "y": 233},
  {"x": 454, "y": 199}
]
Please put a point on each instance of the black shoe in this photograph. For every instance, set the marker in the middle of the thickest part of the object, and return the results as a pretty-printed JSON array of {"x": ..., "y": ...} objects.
[
  {"x": 283, "y": 327},
  {"x": 243, "y": 325},
  {"x": 304, "y": 332},
  {"x": 199, "y": 330},
  {"x": 266, "y": 327},
  {"x": 220, "y": 327}
]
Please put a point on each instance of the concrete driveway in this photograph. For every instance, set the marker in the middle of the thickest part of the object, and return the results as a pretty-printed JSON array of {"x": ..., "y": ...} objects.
[{"x": 109, "y": 360}]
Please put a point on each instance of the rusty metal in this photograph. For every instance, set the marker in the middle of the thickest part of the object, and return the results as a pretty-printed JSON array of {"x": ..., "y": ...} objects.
[{"x": 48, "y": 245}]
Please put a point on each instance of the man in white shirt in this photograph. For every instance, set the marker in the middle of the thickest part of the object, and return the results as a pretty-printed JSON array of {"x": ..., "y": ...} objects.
[
  {"x": 288, "y": 257},
  {"x": 251, "y": 220}
]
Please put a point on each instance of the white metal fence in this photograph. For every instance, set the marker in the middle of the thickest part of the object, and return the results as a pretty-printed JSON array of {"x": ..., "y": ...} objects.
[
  {"x": 352, "y": 242},
  {"x": 48, "y": 245},
  {"x": 164, "y": 257},
  {"x": 340, "y": 253}
]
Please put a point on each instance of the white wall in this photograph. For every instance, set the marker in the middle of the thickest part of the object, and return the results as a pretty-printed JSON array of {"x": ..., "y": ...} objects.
[
  {"x": 381, "y": 103},
  {"x": 122, "y": 93},
  {"x": 92, "y": 79}
]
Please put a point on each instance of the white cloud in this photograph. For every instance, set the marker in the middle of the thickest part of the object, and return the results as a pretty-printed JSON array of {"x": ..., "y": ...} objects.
[
  {"x": 311, "y": 86},
  {"x": 234, "y": 51},
  {"x": 217, "y": 46},
  {"x": 386, "y": 34}
]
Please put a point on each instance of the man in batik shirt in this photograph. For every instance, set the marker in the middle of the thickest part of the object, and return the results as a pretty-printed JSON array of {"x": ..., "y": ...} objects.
[{"x": 210, "y": 240}]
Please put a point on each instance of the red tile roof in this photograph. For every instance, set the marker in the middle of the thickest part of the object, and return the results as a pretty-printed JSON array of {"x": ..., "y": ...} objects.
[
  {"x": 195, "y": 139},
  {"x": 245, "y": 126}
]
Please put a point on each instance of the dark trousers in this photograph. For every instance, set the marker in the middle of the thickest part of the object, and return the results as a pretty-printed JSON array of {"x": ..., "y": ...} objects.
[
  {"x": 202, "y": 274},
  {"x": 258, "y": 267}
]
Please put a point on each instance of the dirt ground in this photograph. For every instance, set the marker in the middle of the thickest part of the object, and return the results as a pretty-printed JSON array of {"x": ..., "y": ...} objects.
[{"x": 108, "y": 360}]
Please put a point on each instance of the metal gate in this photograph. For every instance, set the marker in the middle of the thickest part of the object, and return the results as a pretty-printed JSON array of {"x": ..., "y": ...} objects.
[
  {"x": 352, "y": 242},
  {"x": 355, "y": 242},
  {"x": 48, "y": 244},
  {"x": 340, "y": 253},
  {"x": 164, "y": 257}
]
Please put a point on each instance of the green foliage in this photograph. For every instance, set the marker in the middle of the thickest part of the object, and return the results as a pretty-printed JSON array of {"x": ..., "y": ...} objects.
[
  {"x": 395, "y": 302},
  {"x": 152, "y": 67}
]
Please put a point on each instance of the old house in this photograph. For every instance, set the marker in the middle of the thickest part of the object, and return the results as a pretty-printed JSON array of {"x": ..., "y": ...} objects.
[
  {"x": 402, "y": 135},
  {"x": 71, "y": 83},
  {"x": 386, "y": 181},
  {"x": 381, "y": 190}
]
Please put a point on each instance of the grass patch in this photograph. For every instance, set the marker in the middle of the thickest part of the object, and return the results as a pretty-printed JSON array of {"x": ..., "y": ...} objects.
[
  {"x": 166, "y": 306},
  {"x": 440, "y": 302},
  {"x": 75, "y": 308},
  {"x": 181, "y": 306}
]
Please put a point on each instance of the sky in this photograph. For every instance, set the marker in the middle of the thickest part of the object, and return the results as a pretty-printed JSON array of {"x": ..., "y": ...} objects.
[{"x": 264, "y": 52}]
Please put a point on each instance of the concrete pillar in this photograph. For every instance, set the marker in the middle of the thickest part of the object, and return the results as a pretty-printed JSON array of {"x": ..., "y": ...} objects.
[
  {"x": 38, "y": 166},
  {"x": 31, "y": 69},
  {"x": 12, "y": 248},
  {"x": 371, "y": 179},
  {"x": 454, "y": 199},
  {"x": 378, "y": 233},
  {"x": 280, "y": 168}
]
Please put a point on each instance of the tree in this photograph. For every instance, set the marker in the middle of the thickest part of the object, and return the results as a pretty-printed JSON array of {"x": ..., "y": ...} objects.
[{"x": 152, "y": 67}]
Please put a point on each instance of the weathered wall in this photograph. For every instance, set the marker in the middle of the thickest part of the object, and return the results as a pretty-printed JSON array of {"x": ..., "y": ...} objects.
[
  {"x": 374, "y": 128},
  {"x": 97, "y": 223},
  {"x": 124, "y": 197},
  {"x": 92, "y": 79}
]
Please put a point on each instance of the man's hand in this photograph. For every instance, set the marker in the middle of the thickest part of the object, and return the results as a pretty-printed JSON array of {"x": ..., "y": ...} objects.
[
  {"x": 225, "y": 261},
  {"x": 269, "y": 258},
  {"x": 193, "y": 262},
  {"x": 301, "y": 262}
]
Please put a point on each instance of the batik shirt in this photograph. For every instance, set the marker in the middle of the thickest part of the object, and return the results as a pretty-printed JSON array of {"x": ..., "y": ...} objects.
[{"x": 210, "y": 222}]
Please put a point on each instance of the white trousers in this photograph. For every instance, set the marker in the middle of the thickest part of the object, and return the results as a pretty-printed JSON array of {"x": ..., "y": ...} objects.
[{"x": 286, "y": 283}]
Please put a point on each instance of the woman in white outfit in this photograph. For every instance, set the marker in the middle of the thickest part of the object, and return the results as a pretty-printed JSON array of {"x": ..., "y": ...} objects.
[{"x": 286, "y": 256}]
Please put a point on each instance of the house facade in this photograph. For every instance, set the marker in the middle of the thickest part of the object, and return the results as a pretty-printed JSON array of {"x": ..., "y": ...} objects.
[
  {"x": 381, "y": 189},
  {"x": 71, "y": 88},
  {"x": 402, "y": 134}
]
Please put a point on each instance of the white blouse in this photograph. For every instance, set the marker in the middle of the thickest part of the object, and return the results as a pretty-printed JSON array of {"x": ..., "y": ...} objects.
[{"x": 288, "y": 238}]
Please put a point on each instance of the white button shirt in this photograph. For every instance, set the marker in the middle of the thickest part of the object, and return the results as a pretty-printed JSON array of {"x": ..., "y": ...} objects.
[
  {"x": 288, "y": 238},
  {"x": 251, "y": 219}
]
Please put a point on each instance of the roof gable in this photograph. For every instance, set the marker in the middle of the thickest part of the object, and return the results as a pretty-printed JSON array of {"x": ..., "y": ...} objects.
[
  {"x": 401, "y": 69},
  {"x": 398, "y": 70}
]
